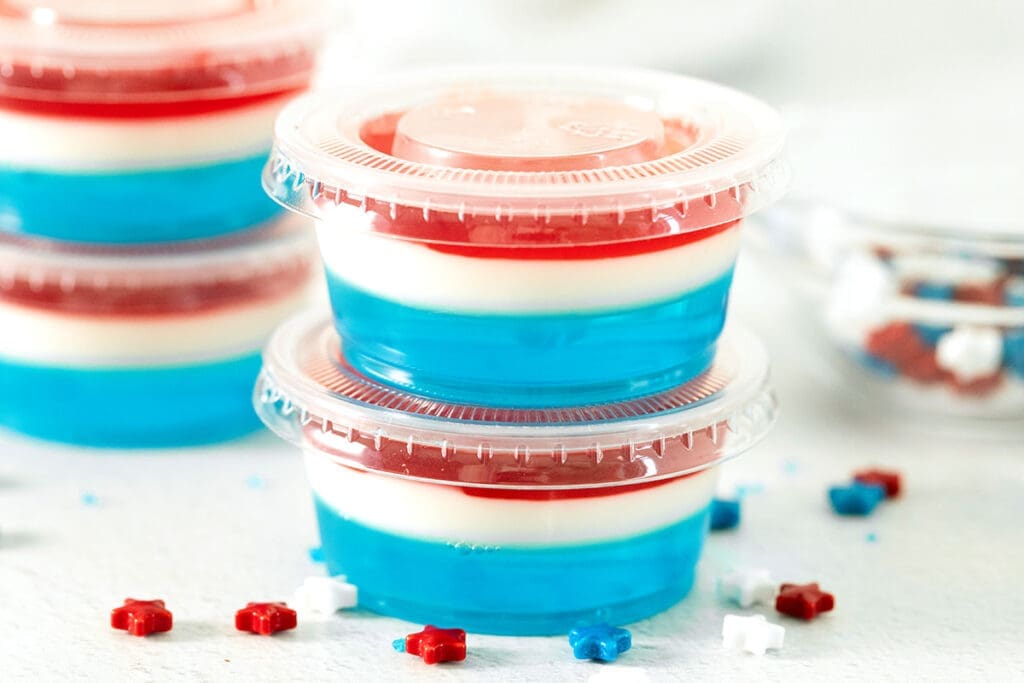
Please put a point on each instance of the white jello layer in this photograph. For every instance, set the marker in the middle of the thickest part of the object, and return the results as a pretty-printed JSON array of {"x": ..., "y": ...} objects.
[
  {"x": 52, "y": 338},
  {"x": 442, "y": 513},
  {"x": 82, "y": 144},
  {"x": 416, "y": 275}
]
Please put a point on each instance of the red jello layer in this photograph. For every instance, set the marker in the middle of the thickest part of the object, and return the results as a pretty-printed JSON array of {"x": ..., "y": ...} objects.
[
  {"x": 615, "y": 466},
  {"x": 548, "y": 493},
  {"x": 542, "y": 235},
  {"x": 556, "y": 238}
]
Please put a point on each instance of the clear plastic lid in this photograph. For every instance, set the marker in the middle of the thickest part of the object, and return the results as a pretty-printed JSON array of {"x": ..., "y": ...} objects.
[
  {"x": 154, "y": 51},
  {"x": 502, "y": 155},
  {"x": 309, "y": 395},
  {"x": 97, "y": 279}
]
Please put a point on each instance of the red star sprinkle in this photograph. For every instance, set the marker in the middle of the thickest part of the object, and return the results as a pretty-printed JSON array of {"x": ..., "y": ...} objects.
[
  {"x": 141, "y": 617},
  {"x": 990, "y": 294},
  {"x": 896, "y": 343},
  {"x": 924, "y": 368},
  {"x": 887, "y": 479},
  {"x": 803, "y": 601},
  {"x": 437, "y": 644},
  {"x": 265, "y": 618},
  {"x": 978, "y": 387}
]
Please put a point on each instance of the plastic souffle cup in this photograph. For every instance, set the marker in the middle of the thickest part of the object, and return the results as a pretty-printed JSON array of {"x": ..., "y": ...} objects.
[
  {"x": 145, "y": 347},
  {"x": 146, "y": 121},
  {"x": 503, "y": 520},
  {"x": 529, "y": 236}
]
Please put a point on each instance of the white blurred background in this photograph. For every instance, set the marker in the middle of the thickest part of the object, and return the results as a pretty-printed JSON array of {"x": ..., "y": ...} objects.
[{"x": 783, "y": 50}]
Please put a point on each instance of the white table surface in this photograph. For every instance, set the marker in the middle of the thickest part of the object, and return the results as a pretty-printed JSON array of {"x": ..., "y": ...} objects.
[{"x": 936, "y": 596}]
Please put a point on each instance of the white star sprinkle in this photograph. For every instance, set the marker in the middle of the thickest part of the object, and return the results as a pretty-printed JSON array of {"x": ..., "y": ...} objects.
[
  {"x": 970, "y": 353},
  {"x": 748, "y": 587},
  {"x": 751, "y": 634}
]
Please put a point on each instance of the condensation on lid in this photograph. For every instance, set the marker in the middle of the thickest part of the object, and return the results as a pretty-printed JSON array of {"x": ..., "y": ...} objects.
[
  {"x": 308, "y": 394},
  {"x": 105, "y": 49},
  {"x": 530, "y": 141}
]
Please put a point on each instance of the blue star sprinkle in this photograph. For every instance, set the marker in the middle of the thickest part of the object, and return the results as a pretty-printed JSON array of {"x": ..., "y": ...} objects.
[
  {"x": 255, "y": 482},
  {"x": 601, "y": 642},
  {"x": 725, "y": 514},
  {"x": 856, "y": 498}
]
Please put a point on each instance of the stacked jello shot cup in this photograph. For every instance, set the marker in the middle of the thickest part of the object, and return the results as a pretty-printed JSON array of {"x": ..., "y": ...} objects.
[
  {"x": 141, "y": 265},
  {"x": 512, "y": 419}
]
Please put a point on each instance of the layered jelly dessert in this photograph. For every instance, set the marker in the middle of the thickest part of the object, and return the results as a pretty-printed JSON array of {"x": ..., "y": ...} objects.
[
  {"x": 147, "y": 121},
  {"x": 144, "y": 347},
  {"x": 531, "y": 236},
  {"x": 510, "y": 520}
]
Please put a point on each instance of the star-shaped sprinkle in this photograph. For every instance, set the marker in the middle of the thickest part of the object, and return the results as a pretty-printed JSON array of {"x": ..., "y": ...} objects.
[
  {"x": 1013, "y": 291},
  {"x": 725, "y": 514},
  {"x": 748, "y": 587},
  {"x": 938, "y": 291},
  {"x": 265, "y": 618},
  {"x": 435, "y": 645},
  {"x": 755, "y": 634},
  {"x": 602, "y": 642},
  {"x": 856, "y": 498},
  {"x": 326, "y": 595},
  {"x": 803, "y": 601},
  {"x": 142, "y": 617},
  {"x": 970, "y": 353},
  {"x": 890, "y": 480},
  {"x": 862, "y": 283},
  {"x": 1014, "y": 350},
  {"x": 896, "y": 343},
  {"x": 990, "y": 294}
]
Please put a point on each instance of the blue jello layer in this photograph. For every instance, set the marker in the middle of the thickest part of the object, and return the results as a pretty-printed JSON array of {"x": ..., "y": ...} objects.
[
  {"x": 130, "y": 407},
  {"x": 1013, "y": 350},
  {"x": 514, "y": 590},
  {"x": 531, "y": 360},
  {"x": 190, "y": 202}
]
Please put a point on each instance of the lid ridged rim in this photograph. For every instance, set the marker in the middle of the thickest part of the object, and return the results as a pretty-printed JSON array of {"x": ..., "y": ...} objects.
[
  {"x": 280, "y": 243},
  {"x": 310, "y": 170},
  {"x": 731, "y": 405},
  {"x": 259, "y": 27}
]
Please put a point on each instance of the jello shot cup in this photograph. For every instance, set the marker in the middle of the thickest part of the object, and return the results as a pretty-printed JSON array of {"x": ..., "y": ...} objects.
[
  {"x": 145, "y": 121},
  {"x": 530, "y": 236},
  {"x": 499, "y": 520},
  {"x": 143, "y": 347}
]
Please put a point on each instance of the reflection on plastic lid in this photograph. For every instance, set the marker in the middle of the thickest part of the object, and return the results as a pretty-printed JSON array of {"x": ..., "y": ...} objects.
[{"x": 528, "y": 133}]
